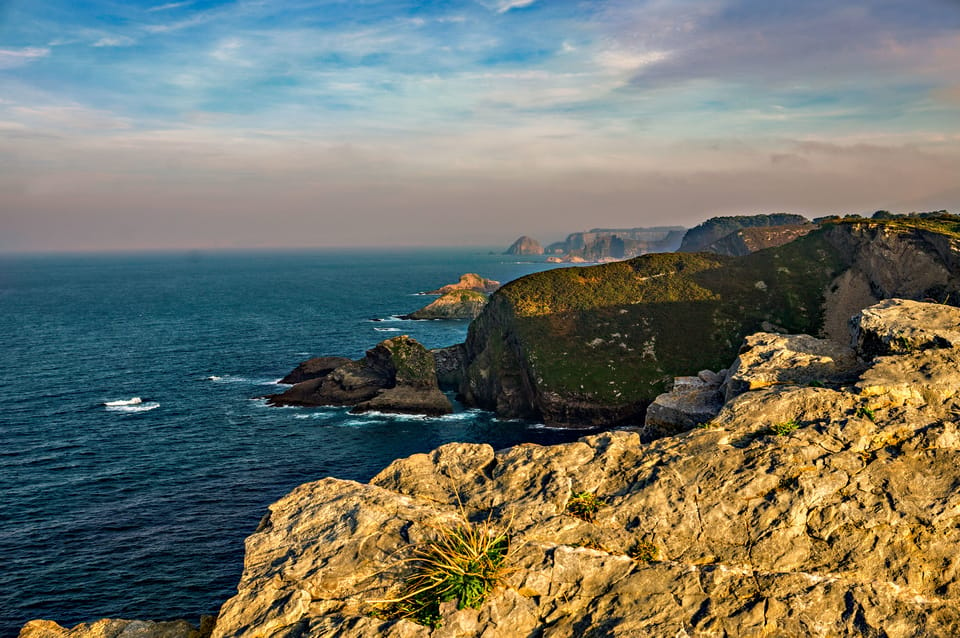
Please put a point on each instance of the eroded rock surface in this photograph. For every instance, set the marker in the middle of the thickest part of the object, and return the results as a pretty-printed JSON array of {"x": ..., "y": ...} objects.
[
  {"x": 458, "y": 304},
  {"x": 117, "y": 628},
  {"x": 468, "y": 281},
  {"x": 314, "y": 369}
]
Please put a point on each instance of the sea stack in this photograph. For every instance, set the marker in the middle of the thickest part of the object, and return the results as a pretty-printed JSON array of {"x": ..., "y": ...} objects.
[{"x": 525, "y": 246}]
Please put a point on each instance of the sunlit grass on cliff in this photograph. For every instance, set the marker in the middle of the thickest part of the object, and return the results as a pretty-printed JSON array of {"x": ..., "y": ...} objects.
[{"x": 464, "y": 563}]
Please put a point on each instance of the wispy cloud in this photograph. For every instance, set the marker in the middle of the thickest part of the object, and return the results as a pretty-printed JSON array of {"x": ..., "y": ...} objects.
[
  {"x": 115, "y": 41},
  {"x": 502, "y": 6},
  {"x": 10, "y": 58},
  {"x": 170, "y": 5}
]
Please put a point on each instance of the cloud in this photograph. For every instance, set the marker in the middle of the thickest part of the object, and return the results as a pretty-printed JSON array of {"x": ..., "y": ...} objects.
[
  {"x": 502, "y": 6},
  {"x": 115, "y": 41},
  {"x": 170, "y": 5},
  {"x": 11, "y": 58}
]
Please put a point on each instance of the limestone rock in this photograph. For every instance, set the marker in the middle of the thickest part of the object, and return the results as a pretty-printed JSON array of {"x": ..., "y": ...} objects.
[
  {"x": 767, "y": 359},
  {"x": 398, "y": 375},
  {"x": 116, "y": 628},
  {"x": 896, "y": 326},
  {"x": 525, "y": 246},
  {"x": 458, "y": 304},
  {"x": 692, "y": 402},
  {"x": 314, "y": 369},
  {"x": 468, "y": 281}
]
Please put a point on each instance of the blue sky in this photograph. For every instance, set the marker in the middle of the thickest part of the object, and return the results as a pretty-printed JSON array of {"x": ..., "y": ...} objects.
[{"x": 303, "y": 122}]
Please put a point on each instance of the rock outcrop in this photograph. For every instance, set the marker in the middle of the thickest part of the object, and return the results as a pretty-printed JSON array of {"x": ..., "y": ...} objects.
[
  {"x": 468, "y": 281},
  {"x": 700, "y": 237},
  {"x": 795, "y": 511},
  {"x": 459, "y": 304},
  {"x": 398, "y": 375},
  {"x": 596, "y": 345},
  {"x": 313, "y": 369},
  {"x": 525, "y": 246}
]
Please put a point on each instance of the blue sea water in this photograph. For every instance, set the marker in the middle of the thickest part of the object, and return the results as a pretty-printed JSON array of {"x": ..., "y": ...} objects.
[{"x": 134, "y": 456}]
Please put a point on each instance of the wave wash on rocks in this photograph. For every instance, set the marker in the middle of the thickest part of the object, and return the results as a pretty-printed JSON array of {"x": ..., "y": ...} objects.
[{"x": 828, "y": 509}]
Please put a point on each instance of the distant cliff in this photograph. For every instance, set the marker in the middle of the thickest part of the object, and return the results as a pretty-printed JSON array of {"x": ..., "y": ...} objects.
[
  {"x": 618, "y": 243},
  {"x": 593, "y": 346},
  {"x": 525, "y": 246},
  {"x": 749, "y": 240},
  {"x": 701, "y": 236}
]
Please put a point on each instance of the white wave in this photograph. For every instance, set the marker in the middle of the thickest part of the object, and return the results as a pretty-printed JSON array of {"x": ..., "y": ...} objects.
[
  {"x": 227, "y": 378},
  {"x": 387, "y": 329},
  {"x": 390, "y": 318},
  {"x": 139, "y": 407},
  {"x": 120, "y": 402}
]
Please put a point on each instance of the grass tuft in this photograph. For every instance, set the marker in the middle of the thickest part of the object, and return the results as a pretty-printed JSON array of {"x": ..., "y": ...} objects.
[
  {"x": 784, "y": 428},
  {"x": 584, "y": 505},
  {"x": 643, "y": 551},
  {"x": 463, "y": 563}
]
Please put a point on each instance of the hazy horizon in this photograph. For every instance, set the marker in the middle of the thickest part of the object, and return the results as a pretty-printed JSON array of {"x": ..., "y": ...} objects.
[{"x": 212, "y": 124}]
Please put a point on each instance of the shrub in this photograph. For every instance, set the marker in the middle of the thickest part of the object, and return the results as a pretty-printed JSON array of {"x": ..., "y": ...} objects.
[
  {"x": 464, "y": 563},
  {"x": 584, "y": 505}
]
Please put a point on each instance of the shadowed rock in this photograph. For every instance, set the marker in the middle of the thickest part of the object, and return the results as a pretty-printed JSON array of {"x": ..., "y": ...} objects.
[
  {"x": 398, "y": 375},
  {"x": 314, "y": 369}
]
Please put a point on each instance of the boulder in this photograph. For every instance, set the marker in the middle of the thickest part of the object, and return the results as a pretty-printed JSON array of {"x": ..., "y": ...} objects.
[
  {"x": 313, "y": 369},
  {"x": 398, "y": 375},
  {"x": 468, "y": 281},
  {"x": 768, "y": 359},
  {"x": 896, "y": 326},
  {"x": 458, "y": 304},
  {"x": 693, "y": 401}
]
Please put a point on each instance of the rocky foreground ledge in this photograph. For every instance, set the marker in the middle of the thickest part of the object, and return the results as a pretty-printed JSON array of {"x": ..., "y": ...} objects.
[{"x": 821, "y": 500}]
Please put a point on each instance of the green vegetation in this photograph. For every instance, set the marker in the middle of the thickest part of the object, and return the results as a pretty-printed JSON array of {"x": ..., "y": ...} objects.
[
  {"x": 940, "y": 222},
  {"x": 464, "y": 563},
  {"x": 413, "y": 362},
  {"x": 866, "y": 413},
  {"x": 784, "y": 428},
  {"x": 584, "y": 505},
  {"x": 643, "y": 551}
]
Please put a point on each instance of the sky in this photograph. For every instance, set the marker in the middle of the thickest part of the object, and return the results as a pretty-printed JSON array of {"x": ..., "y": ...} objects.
[{"x": 205, "y": 124}]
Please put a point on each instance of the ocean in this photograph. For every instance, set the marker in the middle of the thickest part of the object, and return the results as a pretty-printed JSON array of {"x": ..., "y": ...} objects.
[{"x": 135, "y": 456}]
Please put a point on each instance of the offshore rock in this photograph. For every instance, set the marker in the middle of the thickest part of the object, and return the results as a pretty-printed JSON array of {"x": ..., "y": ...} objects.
[
  {"x": 398, "y": 375},
  {"x": 525, "y": 246},
  {"x": 458, "y": 304},
  {"x": 468, "y": 281},
  {"x": 116, "y": 628},
  {"x": 315, "y": 368}
]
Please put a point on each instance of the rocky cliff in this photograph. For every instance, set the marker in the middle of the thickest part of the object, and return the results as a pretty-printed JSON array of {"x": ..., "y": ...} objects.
[
  {"x": 525, "y": 246},
  {"x": 716, "y": 228},
  {"x": 600, "y": 244},
  {"x": 749, "y": 240},
  {"x": 820, "y": 500},
  {"x": 594, "y": 346}
]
